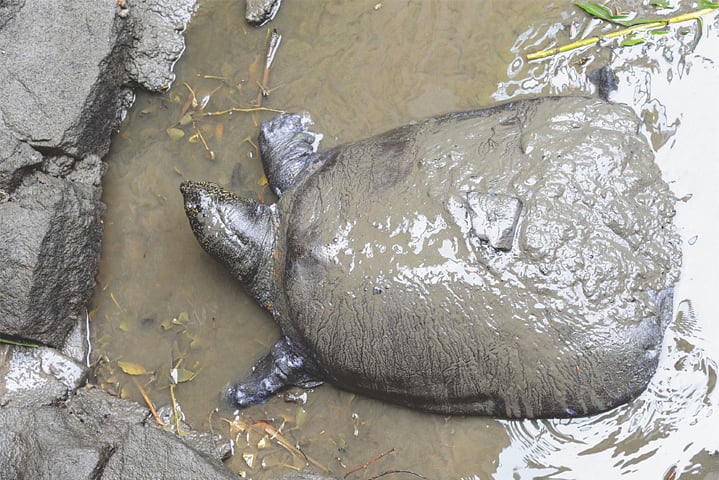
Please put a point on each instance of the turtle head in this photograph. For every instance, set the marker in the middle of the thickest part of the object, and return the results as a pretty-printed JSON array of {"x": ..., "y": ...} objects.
[{"x": 238, "y": 232}]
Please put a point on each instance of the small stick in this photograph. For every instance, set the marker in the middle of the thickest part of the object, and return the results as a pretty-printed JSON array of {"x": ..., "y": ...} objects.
[
  {"x": 180, "y": 432},
  {"x": 370, "y": 462},
  {"x": 283, "y": 442},
  {"x": 193, "y": 99},
  {"x": 390, "y": 472},
  {"x": 274, "y": 45},
  {"x": 236, "y": 110},
  {"x": 148, "y": 402},
  {"x": 209, "y": 151}
]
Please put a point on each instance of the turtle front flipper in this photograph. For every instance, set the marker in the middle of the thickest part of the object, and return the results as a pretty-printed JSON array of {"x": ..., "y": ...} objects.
[
  {"x": 281, "y": 368},
  {"x": 288, "y": 150}
]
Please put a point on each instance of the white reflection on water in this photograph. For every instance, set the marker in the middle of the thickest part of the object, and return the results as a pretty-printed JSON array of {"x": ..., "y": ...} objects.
[{"x": 671, "y": 84}]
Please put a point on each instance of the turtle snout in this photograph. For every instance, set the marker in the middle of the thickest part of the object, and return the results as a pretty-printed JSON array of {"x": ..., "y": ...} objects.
[
  {"x": 191, "y": 194},
  {"x": 198, "y": 203},
  {"x": 197, "y": 198}
]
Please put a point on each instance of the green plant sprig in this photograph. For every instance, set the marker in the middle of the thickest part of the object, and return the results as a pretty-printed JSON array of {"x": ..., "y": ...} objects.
[{"x": 632, "y": 27}]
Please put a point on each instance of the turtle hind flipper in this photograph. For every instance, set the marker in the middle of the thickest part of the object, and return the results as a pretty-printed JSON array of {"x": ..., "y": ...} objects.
[
  {"x": 281, "y": 368},
  {"x": 288, "y": 149}
]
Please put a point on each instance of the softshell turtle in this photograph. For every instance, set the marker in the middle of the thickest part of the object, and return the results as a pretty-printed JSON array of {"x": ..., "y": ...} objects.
[{"x": 516, "y": 261}]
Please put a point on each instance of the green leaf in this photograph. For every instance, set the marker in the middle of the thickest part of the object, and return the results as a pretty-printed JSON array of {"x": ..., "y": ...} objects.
[
  {"x": 181, "y": 375},
  {"x": 14, "y": 342},
  {"x": 601, "y": 12},
  {"x": 186, "y": 119},
  {"x": 708, "y": 4},
  {"x": 661, "y": 4},
  {"x": 632, "y": 41}
]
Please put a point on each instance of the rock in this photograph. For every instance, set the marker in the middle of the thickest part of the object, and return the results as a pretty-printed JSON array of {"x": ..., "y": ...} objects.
[
  {"x": 157, "y": 27},
  {"x": 259, "y": 12},
  {"x": 61, "y": 82},
  {"x": 96, "y": 436},
  {"x": 62, "y": 105},
  {"x": 50, "y": 233},
  {"x": 33, "y": 377},
  {"x": 15, "y": 159}
]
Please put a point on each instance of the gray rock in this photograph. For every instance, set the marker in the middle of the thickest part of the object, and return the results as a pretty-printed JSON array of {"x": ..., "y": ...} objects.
[
  {"x": 66, "y": 69},
  {"x": 96, "y": 436},
  {"x": 157, "y": 27},
  {"x": 61, "y": 75},
  {"x": 16, "y": 158},
  {"x": 259, "y": 12},
  {"x": 33, "y": 377},
  {"x": 50, "y": 233},
  {"x": 64, "y": 72}
]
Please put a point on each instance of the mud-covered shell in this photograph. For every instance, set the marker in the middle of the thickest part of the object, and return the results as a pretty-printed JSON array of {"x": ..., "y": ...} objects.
[{"x": 385, "y": 284}]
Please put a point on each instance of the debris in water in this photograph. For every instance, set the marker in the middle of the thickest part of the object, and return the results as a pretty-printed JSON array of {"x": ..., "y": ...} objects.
[
  {"x": 131, "y": 368},
  {"x": 370, "y": 462}
]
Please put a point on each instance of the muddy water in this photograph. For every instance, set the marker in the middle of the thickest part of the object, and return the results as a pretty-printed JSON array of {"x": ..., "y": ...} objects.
[{"x": 359, "y": 68}]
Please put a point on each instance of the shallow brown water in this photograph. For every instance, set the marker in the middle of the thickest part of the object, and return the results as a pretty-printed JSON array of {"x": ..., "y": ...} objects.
[{"x": 360, "y": 70}]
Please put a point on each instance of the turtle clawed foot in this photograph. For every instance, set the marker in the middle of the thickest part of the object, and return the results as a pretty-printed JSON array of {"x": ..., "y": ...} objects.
[
  {"x": 279, "y": 369},
  {"x": 246, "y": 394}
]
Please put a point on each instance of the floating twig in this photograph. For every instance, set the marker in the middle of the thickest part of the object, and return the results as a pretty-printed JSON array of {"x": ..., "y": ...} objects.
[
  {"x": 236, "y": 110},
  {"x": 199, "y": 134},
  {"x": 176, "y": 412},
  {"x": 114, "y": 300},
  {"x": 390, "y": 472},
  {"x": 274, "y": 45},
  {"x": 636, "y": 26},
  {"x": 240, "y": 426},
  {"x": 370, "y": 462},
  {"x": 148, "y": 402},
  {"x": 275, "y": 435}
]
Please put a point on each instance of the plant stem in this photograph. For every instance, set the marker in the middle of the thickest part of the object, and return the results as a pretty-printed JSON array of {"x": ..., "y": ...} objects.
[{"x": 685, "y": 17}]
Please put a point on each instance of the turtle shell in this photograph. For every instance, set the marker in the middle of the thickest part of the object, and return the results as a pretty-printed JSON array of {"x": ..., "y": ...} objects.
[{"x": 387, "y": 285}]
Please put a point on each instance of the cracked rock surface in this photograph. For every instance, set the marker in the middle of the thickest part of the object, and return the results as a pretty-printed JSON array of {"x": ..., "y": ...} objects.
[{"x": 67, "y": 70}]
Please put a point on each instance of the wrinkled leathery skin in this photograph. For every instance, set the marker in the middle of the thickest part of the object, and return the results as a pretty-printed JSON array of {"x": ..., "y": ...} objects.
[
  {"x": 282, "y": 367},
  {"x": 382, "y": 284},
  {"x": 287, "y": 148},
  {"x": 238, "y": 232}
]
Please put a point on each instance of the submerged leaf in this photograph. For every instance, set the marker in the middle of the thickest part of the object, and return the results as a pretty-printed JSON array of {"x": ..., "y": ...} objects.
[
  {"x": 181, "y": 375},
  {"x": 131, "y": 368},
  {"x": 175, "y": 133},
  {"x": 186, "y": 119}
]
